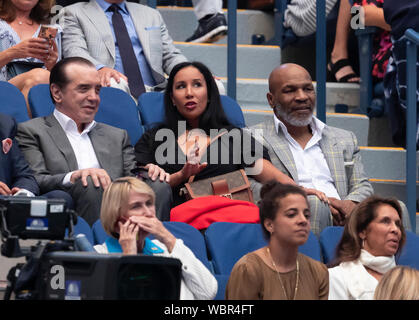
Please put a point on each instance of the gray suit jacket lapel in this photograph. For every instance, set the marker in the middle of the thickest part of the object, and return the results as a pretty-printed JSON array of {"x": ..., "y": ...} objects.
[
  {"x": 98, "y": 18},
  {"x": 138, "y": 17},
  {"x": 101, "y": 145},
  {"x": 333, "y": 155},
  {"x": 61, "y": 141},
  {"x": 281, "y": 148}
]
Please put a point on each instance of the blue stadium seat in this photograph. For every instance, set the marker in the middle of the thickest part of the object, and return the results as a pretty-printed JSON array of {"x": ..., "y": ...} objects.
[
  {"x": 151, "y": 107},
  {"x": 99, "y": 234},
  {"x": 13, "y": 102},
  {"x": 116, "y": 109},
  {"x": 191, "y": 237},
  {"x": 227, "y": 242},
  {"x": 82, "y": 227},
  {"x": 222, "y": 280},
  {"x": 329, "y": 239},
  {"x": 410, "y": 253},
  {"x": 40, "y": 101}
]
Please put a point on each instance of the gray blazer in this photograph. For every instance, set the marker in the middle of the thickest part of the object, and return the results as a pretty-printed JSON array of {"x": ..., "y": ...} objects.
[
  {"x": 87, "y": 34},
  {"x": 340, "y": 148},
  {"x": 50, "y": 155}
]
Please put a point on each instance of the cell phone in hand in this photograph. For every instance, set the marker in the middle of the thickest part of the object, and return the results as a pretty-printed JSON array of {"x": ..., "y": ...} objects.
[{"x": 48, "y": 32}]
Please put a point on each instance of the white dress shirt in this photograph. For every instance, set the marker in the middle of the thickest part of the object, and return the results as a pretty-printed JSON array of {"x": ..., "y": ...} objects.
[
  {"x": 312, "y": 168},
  {"x": 80, "y": 142}
]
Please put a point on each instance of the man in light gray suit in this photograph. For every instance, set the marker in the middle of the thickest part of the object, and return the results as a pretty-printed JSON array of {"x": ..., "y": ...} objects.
[
  {"x": 313, "y": 154},
  {"x": 89, "y": 33},
  {"x": 68, "y": 150}
]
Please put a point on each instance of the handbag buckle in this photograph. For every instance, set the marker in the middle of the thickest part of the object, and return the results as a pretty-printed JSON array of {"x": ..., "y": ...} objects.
[{"x": 227, "y": 195}]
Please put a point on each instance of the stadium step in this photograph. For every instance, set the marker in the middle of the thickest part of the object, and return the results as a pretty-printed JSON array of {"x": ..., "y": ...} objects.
[
  {"x": 385, "y": 163},
  {"x": 252, "y": 61},
  {"x": 181, "y": 23},
  {"x": 251, "y": 94}
]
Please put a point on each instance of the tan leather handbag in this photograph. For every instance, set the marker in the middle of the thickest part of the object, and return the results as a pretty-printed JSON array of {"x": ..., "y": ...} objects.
[{"x": 233, "y": 185}]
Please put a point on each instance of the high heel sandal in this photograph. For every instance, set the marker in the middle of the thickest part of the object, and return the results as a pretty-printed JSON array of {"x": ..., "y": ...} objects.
[{"x": 333, "y": 68}]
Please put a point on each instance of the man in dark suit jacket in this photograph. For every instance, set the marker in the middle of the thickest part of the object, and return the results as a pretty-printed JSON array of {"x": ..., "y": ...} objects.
[
  {"x": 15, "y": 174},
  {"x": 68, "y": 150}
]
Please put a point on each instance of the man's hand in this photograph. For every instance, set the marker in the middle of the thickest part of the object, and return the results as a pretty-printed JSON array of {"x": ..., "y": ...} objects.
[
  {"x": 99, "y": 177},
  {"x": 106, "y": 74},
  {"x": 4, "y": 189},
  {"x": 343, "y": 207}
]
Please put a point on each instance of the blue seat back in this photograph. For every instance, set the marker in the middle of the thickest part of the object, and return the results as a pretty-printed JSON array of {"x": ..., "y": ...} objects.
[
  {"x": 191, "y": 237},
  {"x": 311, "y": 248},
  {"x": 99, "y": 234},
  {"x": 82, "y": 227},
  {"x": 13, "y": 102},
  {"x": 329, "y": 239},
  {"x": 410, "y": 253},
  {"x": 227, "y": 242},
  {"x": 116, "y": 109},
  {"x": 151, "y": 107}
]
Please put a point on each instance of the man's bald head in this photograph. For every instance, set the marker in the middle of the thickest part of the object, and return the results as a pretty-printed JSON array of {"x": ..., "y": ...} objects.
[
  {"x": 284, "y": 72},
  {"x": 291, "y": 94}
]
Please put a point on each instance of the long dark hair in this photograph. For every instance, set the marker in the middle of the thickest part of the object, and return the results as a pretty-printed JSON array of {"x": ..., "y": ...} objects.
[
  {"x": 213, "y": 116},
  {"x": 350, "y": 245},
  {"x": 41, "y": 13}
]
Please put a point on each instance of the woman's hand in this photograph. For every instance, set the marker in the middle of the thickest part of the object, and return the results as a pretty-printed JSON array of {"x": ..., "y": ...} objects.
[
  {"x": 128, "y": 236},
  {"x": 154, "y": 226},
  {"x": 51, "y": 59},
  {"x": 191, "y": 169},
  {"x": 37, "y": 48},
  {"x": 154, "y": 172}
]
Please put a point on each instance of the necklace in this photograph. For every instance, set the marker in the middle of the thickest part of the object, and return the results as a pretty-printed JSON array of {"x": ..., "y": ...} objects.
[
  {"x": 28, "y": 23},
  {"x": 279, "y": 276}
]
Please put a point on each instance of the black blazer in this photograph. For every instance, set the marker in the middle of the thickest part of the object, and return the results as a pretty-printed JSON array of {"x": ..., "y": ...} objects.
[{"x": 14, "y": 170}]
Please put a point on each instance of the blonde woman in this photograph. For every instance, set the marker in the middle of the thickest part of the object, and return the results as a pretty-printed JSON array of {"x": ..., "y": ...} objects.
[
  {"x": 400, "y": 283},
  {"x": 128, "y": 215}
]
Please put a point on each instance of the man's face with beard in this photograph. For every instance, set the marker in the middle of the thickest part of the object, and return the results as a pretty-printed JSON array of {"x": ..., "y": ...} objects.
[{"x": 292, "y": 95}]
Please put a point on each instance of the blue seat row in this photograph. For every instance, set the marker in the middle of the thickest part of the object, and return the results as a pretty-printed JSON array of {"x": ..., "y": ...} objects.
[
  {"x": 224, "y": 243},
  {"x": 116, "y": 108}
]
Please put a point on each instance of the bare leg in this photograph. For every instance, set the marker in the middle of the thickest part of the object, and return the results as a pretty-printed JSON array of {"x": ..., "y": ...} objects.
[
  {"x": 25, "y": 81},
  {"x": 340, "y": 47}
]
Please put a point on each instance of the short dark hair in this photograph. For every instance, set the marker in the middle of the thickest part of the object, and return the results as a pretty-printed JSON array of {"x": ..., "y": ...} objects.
[
  {"x": 58, "y": 76},
  {"x": 213, "y": 116},
  {"x": 350, "y": 245},
  {"x": 271, "y": 194}
]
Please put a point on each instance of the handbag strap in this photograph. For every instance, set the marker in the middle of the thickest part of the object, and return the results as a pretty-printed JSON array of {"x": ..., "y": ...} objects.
[{"x": 191, "y": 178}]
